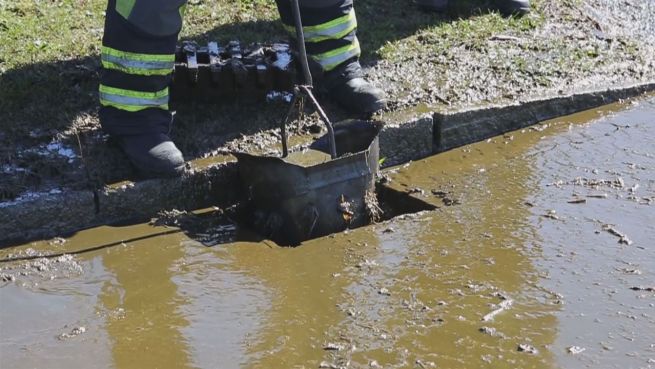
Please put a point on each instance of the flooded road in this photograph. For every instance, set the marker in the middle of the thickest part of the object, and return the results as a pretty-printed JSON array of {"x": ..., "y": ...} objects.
[{"x": 540, "y": 255}]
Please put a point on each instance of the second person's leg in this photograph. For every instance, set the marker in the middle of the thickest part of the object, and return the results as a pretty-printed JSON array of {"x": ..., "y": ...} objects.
[{"x": 330, "y": 28}]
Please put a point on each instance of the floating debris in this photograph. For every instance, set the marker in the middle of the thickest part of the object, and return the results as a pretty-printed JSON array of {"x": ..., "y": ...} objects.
[
  {"x": 629, "y": 271},
  {"x": 643, "y": 288},
  {"x": 345, "y": 207},
  {"x": 623, "y": 238},
  {"x": 73, "y": 333},
  {"x": 415, "y": 190},
  {"x": 331, "y": 346},
  {"x": 551, "y": 214},
  {"x": 425, "y": 364},
  {"x": 524, "y": 347},
  {"x": 488, "y": 330},
  {"x": 367, "y": 263},
  {"x": 374, "y": 364},
  {"x": 504, "y": 305},
  {"x": 577, "y": 201},
  {"x": 574, "y": 350}
]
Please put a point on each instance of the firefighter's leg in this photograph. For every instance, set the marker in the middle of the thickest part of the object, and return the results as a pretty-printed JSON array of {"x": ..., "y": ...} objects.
[
  {"x": 138, "y": 50},
  {"x": 330, "y": 28}
]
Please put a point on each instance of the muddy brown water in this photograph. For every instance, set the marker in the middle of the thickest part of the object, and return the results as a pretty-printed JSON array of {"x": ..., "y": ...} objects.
[{"x": 540, "y": 255}]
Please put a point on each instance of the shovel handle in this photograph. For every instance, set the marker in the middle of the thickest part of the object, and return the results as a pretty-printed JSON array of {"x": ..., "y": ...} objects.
[
  {"x": 300, "y": 38},
  {"x": 307, "y": 88}
]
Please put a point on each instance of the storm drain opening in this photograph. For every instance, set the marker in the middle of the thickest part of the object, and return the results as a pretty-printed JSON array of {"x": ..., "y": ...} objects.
[
  {"x": 395, "y": 203},
  {"x": 382, "y": 205},
  {"x": 243, "y": 222}
]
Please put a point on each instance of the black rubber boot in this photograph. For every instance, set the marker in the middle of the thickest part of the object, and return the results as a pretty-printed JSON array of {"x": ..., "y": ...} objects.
[
  {"x": 433, "y": 5},
  {"x": 154, "y": 155},
  {"x": 511, "y": 7},
  {"x": 505, "y": 7},
  {"x": 346, "y": 86}
]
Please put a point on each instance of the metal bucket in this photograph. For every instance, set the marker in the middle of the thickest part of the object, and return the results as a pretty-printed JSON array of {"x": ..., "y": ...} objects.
[{"x": 290, "y": 203}]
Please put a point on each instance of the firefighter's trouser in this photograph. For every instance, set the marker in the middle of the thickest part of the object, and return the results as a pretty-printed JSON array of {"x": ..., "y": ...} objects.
[{"x": 138, "y": 55}]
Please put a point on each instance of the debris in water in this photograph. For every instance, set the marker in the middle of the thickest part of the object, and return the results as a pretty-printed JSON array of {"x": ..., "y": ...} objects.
[
  {"x": 73, "y": 333},
  {"x": 345, "y": 207},
  {"x": 551, "y": 214},
  {"x": 643, "y": 288},
  {"x": 416, "y": 190},
  {"x": 524, "y": 347},
  {"x": 577, "y": 201},
  {"x": 598, "y": 196},
  {"x": 504, "y": 305},
  {"x": 384, "y": 291},
  {"x": 367, "y": 263},
  {"x": 491, "y": 331},
  {"x": 330, "y": 346},
  {"x": 425, "y": 364},
  {"x": 372, "y": 206},
  {"x": 623, "y": 238},
  {"x": 7, "y": 277},
  {"x": 574, "y": 350},
  {"x": 630, "y": 271},
  {"x": 450, "y": 202}
]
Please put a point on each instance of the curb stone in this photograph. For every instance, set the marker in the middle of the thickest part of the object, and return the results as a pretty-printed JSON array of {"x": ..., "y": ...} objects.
[
  {"x": 417, "y": 136},
  {"x": 454, "y": 129}
]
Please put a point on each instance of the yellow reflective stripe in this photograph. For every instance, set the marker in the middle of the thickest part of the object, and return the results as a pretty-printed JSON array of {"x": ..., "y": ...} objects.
[
  {"x": 332, "y": 30},
  {"x": 131, "y": 100},
  {"x": 132, "y": 93},
  {"x": 332, "y": 59},
  {"x": 124, "y": 7},
  {"x": 335, "y": 22},
  {"x": 137, "y": 56}
]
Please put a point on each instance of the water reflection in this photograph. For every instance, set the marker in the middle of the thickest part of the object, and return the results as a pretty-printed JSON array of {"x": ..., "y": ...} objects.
[
  {"x": 410, "y": 293},
  {"x": 143, "y": 302}
]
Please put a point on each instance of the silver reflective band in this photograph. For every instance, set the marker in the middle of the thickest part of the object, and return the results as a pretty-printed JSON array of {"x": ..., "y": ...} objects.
[
  {"x": 134, "y": 101},
  {"x": 129, "y": 64}
]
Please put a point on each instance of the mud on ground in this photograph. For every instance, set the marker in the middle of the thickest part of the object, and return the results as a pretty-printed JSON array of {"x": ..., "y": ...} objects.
[{"x": 427, "y": 61}]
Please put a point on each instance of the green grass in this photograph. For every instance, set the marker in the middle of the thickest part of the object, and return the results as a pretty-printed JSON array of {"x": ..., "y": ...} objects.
[{"x": 49, "y": 49}]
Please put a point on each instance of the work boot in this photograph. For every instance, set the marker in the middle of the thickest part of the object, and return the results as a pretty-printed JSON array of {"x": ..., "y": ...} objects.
[
  {"x": 505, "y": 7},
  {"x": 346, "y": 86},
  {"x": 511, "y": 7},
  {"x": 154, "y": 155}
]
